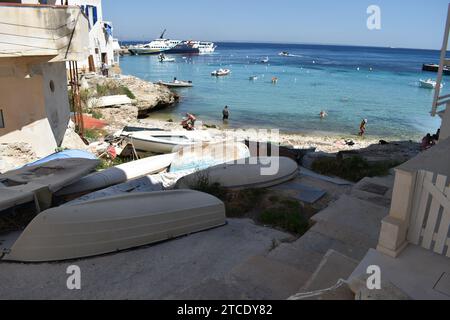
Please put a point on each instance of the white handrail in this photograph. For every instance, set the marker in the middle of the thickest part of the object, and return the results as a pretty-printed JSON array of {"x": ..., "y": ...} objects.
[{"x": 436, "y": 102}]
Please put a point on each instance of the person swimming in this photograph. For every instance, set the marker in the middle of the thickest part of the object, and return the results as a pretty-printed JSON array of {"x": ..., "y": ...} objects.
[{"x": 323, "y": 114}]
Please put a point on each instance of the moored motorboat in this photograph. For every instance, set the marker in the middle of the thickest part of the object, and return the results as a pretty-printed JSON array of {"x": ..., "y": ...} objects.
[
  {"x": 253, "y": 78},
  {"x": 428, "y": 84},
  {"x": 265, "y": 60},
  {"x": 221, "y": 72},
  {"x": 162, "y": 58},
  {"x": 108, "y": 225},
  {"x": 177, "y": 84}
]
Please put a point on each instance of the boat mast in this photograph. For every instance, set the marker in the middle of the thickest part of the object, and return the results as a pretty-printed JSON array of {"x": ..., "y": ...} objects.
[{"x": 162, "y": 34}]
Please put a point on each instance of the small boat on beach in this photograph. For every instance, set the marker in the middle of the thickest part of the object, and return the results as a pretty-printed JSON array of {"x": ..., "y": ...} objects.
[
  {"x": 38, "y": 183},
  {"x": 251, "y": 173},
  {"x": 428, "y": 84},
  {"x": 164, "y": 141},
  {"x": 221, "y": 72},
  {"x": 177, "y": 84},
  {"x": 119, "y": 174},
  {"x": 108, "y": 225}
]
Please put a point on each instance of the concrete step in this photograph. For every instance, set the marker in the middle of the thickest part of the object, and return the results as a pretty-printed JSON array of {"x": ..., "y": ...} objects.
[
  {"x": 381, "y": 186},
  {"x": 346, "y": 241},
  {"x": 371, "y": 197},
  {"x": 265, "y": 278},
  {"x": 354, "y": 214},
  {"x": 334, "y": 267}
]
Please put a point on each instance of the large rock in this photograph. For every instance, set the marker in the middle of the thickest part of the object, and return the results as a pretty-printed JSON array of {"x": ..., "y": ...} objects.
[
  {"x": 149, "y": 96},
  {"x": 119, "y": 117}
]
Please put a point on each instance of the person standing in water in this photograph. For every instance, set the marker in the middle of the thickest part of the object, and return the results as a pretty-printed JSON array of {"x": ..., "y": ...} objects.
[
  {"x": 362, "y": 127},
  {"x": 323, "y": 114},
  {"x": 226, "y": 113}
]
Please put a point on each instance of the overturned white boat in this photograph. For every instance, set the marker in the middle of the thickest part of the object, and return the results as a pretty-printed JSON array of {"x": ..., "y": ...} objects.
[
  {"x": 251, "y": 173},
  {"x": 38, "y": 183},
  {"x": 118, "y": 174},
  {"x": 186, "y": 162},
  {"x": 164, "y": 141},
  {"x": 116, "y": 223},
  {"x": 206, "y": 155}
]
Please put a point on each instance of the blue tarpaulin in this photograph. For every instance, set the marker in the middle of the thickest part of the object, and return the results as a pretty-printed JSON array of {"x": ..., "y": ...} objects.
[{"x": 66, "y": 154}]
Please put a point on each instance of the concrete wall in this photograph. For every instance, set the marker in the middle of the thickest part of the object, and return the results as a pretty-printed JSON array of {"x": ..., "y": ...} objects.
[
  {"x": 445, "y": 127},
  {"x": 34, "y": 111},
  {"x": 43, "y": 31}
]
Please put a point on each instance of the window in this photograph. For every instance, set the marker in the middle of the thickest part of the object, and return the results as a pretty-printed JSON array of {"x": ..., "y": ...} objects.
[{"x": 2, "y": 122}]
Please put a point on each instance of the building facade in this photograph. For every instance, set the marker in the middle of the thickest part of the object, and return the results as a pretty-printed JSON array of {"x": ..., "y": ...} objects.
[{"x": 35, "y": 44}]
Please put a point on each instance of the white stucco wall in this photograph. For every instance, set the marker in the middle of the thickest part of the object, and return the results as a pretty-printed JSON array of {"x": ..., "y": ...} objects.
[
  {"x": 445, "y": 127},
  {"x": 32, "y": 112}
]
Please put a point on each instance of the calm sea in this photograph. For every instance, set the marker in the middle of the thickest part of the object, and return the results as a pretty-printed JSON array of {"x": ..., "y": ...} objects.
[{"x": 350, "y": 83}]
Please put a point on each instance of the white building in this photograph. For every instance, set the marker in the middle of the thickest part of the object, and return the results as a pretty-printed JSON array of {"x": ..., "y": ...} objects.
[
  {"x": 101, "y": 39},
  {"x": 35, "y": 44},
  {"x": 102, "y": 45}
]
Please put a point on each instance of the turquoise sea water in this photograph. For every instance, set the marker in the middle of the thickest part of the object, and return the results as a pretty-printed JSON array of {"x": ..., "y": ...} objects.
[{"x": 350, "y": 83}]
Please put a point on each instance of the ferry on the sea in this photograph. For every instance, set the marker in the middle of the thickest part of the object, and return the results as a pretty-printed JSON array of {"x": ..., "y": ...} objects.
[{"x": 163, "y": 45}]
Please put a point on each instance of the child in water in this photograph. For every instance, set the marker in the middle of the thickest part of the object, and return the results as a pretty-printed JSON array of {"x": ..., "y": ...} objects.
[{"x": 362, "y": 127}]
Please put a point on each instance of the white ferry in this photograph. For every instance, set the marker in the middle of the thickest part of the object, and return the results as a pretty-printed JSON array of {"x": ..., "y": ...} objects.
[{"x": 163, "y": 45}]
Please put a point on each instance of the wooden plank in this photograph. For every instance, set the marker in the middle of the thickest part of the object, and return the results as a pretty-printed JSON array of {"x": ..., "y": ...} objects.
[
  {"x": 433, "y": 213},
  {"x": 438, "y": 194},
  {"x": 420, "y": 210},
  {"x": 420, "y": 176},
  {"x": 442, "y": 235}
]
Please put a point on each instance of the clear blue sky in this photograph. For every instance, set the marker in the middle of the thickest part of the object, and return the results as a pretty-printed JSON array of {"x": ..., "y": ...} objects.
[{"x": 405, "y": 23}]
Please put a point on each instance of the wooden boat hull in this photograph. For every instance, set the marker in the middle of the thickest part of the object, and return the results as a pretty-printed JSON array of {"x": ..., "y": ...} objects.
[
  {"x": 116, "y": 223},
  {"x": 245, "y": 176}
]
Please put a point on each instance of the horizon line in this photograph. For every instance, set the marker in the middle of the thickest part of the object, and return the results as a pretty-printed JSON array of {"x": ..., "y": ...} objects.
[{"x": 303, "y": 43}]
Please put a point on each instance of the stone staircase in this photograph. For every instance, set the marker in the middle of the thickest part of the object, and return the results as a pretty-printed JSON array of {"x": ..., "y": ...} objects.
[{"x": 331, "y": 250}]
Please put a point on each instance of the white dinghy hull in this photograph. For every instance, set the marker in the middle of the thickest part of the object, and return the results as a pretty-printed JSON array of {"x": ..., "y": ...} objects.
[
  {"x": 119, "y": 174},
  {"x": 116, "y": 223},
  {"x": 255, "y": 173},
  {"x": 39, "y": 182}
]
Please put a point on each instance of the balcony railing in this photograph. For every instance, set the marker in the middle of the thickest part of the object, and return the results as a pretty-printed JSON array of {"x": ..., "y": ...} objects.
[{"x": 420, "y": 210}]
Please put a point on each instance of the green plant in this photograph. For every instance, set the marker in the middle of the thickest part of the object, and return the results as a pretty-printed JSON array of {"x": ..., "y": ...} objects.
[
  {"x": 106, "y": 164},
  {"x": 202, "y": 183},
  {"x": 111, "y": 89},
  {"x": 353, "y": 169},
  {"x": 96, "y": 114},
  {"x": 288, "y": 216},
  {"x": 94, "y": 134}
]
